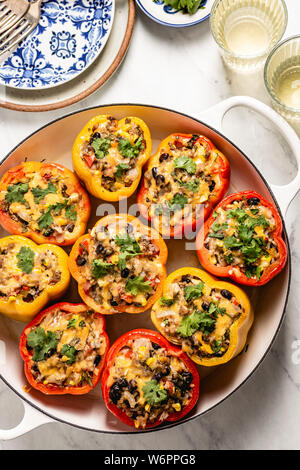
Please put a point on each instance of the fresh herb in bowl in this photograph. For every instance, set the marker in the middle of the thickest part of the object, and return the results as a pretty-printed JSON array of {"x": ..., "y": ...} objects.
[{"x": 190, "y": 6}]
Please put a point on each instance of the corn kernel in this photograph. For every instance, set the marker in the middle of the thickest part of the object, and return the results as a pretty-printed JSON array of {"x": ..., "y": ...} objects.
[
  {"x": 177, "y": 406},
  {"x": 71, "y": 382},
  {"x": 65, "y": 358},
  {"x": 147, "y": 407},
  {"x": 114, "y": 259},
  {"x": 150, "y": 361},
  {"x": 136, "y": 424},
  {"x": 213, "y": 259},
  {"x": 203, "y": 198},
  {"x": 45, "y": 382},
  {"x": 11, "y": 298}
]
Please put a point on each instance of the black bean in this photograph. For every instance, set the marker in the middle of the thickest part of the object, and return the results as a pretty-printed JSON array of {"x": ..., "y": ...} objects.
[
  {"x": 99, "y": 248},
  {"x": 225, "y": 293},
  {"x": 113, "y": 302},
  {"x": 96, "y": 135},
  {"x": 206, "y": 245},
  {"x": 80, "y": 260},
  {"x": 212, "y": 186},
  {"x": 48, "y": 232},
  {"x": 205, "y": 305},
  {"x": 132, "y": 386},
  {"x": 70, "y": 227},
  {"x": 154, "y": 172},
  {"x": 115, "y": 393},
  {"x": 187, "y": 377},
  {"x": 186, "y": 279},
  {"x": 122, "y": 382},
  {"x": 97, "y": 360},
  {"x": 155, "y": 346},
  {"x": 160, "y": 179},
  {"x": 107, "y": 252},
  {"x": 164, "y": 156},
  {"x": 157, "y": 376},
  {"x": 253, "y": 201},
  {"x": 167, "y": 370},
  {"x": 129, "y": 228},
  {"x": 125, "y": 272},
  {"x": 28, "y": 298}
]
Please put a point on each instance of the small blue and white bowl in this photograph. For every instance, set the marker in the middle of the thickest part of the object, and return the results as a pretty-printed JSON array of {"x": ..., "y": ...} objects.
[{"x": 164, "y": 14}]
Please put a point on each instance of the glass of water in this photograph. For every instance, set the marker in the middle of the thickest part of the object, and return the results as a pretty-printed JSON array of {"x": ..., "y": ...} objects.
[
  {"x": 282, "y": 78},
  {"x": 246, "y": 30}
]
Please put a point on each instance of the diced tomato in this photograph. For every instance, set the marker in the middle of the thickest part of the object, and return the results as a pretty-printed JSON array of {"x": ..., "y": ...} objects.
[{"x": 89, "y": 160}]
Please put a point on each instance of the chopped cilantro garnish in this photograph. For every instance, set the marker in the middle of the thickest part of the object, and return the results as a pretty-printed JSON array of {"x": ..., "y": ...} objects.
[
  {"x": 191, "y": 185},
  {"x": 128, "y": 247},
  {"x": 194, "y": 291},
  {"x": 46, "y": 219},
  {"x": 72, "y": 323},
  {"x": 71, "y": 213},
  {"x": 15, "y": 193},
  {"x": 42, "y": 343},
  {"x": 70, "y": 352},
  {"x": 196, "y": 321},
  {"x": 185, "y": 163},
  {"x": 25, "y": 259},
  {"x": 178, "y": 201},
  {"x": 153, "y": 394},
  {"x": 101, "y": 146},
  {"x": 120, "y": 168},
  {"x": 137, "y": 284},
  {"x": 101, "y": 268},
  {"x": 39, "y": 193},
  {"x": 129, "y": 150},
  {"x": 166, "y": 302}
]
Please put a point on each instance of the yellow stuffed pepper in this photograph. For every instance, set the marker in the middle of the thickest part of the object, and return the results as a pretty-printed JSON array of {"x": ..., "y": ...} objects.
[
  {"x": 31, "y": 275},
  {"x": 108, "y": 155},
  {"x": 209, "y": 319}
]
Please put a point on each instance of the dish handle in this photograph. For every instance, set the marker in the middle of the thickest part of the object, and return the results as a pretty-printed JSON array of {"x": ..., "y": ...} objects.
[
  {"x": 214, "y": 117},
  {"x": 32, "y": 419}
]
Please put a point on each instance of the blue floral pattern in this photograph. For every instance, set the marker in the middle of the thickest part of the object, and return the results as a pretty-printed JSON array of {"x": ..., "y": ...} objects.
[{"x": 68, "y": 38}]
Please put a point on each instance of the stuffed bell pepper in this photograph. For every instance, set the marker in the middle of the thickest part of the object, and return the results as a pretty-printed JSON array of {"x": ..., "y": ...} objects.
[
  {"x": 242, "y": 240},
  {"x": 45, "y": 202},
  {"x": 209, "y": 319},
  {"x": 64, "y": 349},
  {"x": 30, "y": 276},
  {"x": 108, "y": 155},
  {"x": 147, "y": 381},
  {"x": 184, "y": 180},
  {"x": 119, "y": 265}
]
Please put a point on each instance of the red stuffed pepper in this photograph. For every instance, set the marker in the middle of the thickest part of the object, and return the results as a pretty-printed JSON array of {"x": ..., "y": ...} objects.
[
  {"x": 45, "y": 202},
  {"x": 147, "y": 380},
  {"x": 184, "y": 180},
  {"x": 64, "y": 349},
  {"x": 242, "y": 240}
]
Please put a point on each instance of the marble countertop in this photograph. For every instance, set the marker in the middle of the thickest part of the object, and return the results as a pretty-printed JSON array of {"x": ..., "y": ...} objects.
[{"x": 265, "y": 412}]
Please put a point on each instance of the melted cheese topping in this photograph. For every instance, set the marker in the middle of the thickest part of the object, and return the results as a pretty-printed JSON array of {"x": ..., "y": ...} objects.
[
  {"x": 242, "y": 236},
  {"x": 115, "y": 167},
  {"x": 130, "y": 275},
  {"x": 15, "y": 283},
  {"x": 47, "y": 203},
  {"x": 199, "y": 319},
  {"x": 176, "y": 191},
  {"x": 134, "y": 367},
  {"x": 85, "y": 345}
]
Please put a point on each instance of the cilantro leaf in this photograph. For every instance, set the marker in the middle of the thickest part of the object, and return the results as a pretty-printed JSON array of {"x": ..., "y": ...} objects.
[
  {"x": 39, "y": 194},
  {"x": 72, "y": 323},
  {"x": 196, "y": 321},
  {"x": 153, "y": 394},
  {"x": 71, "y": 213},
  {"x": 178, "y": 201},
  {"x": 166, "y": 302},
  {"x": 42, "y": 343},
  {"x": 185, "y": 163},
  {"x": 192, "y": 186},
  {"x": 232, "y": 242},
  {"x": 101, "y": 268},
  {"x": 129, "y": 150},
  {"x": 216, "y": 346},
  {"x": 100, "y": 147},
  {"x": 137, "y": 284},
  {"x": 46, "y": 219},
  {"x": 70, "y": 352},
  {"x": 120, "y": 168},
  {"x": 15, "y": 193},
  {"x": 26, "y": 259},
  {"x": 193, "y": 291},
  {"x": 129, "y": 248}
]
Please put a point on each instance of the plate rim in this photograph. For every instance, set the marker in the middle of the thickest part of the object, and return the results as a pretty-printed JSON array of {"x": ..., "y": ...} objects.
[
  {"x": 118, "y": 58},
  {"x": 171, "y": 25},
  {"x": 188, "y": 418},
  {"x": 54, "y": 85}
]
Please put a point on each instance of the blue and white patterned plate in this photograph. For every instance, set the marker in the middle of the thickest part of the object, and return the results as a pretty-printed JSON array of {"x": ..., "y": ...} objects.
[
  {"x": 68, "y": 38},
  {"x": 166, "y": 15}
]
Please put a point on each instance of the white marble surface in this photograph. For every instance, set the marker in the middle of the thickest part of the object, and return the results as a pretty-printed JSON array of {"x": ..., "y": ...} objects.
[{"x": 182, "y": 69}]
